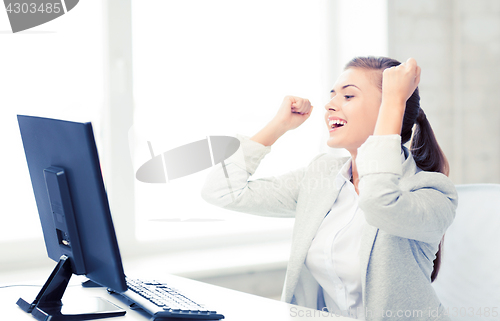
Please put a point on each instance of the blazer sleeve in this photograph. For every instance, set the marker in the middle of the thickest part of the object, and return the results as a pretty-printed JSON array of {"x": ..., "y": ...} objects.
[
  {"x": 271, "y": 196},
  {"x": 421, "y": 209}
]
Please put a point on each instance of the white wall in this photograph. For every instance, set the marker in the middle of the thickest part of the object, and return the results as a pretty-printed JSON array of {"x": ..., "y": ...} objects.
[{"x": 457, "y": 44}]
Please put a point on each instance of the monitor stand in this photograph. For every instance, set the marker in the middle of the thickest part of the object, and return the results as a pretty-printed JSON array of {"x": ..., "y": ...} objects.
[{"x": 48, "y": 305}]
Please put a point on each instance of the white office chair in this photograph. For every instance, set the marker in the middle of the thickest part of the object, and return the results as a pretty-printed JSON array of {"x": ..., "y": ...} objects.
[{"x": 469, "y": 277}]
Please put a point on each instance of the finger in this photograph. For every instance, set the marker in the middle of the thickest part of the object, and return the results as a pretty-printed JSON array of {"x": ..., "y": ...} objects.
[
  {"x": 296, "y": 107},
  {"x": 417, "y": 78},
  {"x": 417, "y": 72},
  {"x": 300, "y": 103},
  {"x": 304, "y": 105},
  {"x": 410, "y": 65},
  {"x": 411, "y": 62},
  {"x": 308, "y": 109},
  {"x": 308, "y": 112},
  {"x": 293, "y": 100}
]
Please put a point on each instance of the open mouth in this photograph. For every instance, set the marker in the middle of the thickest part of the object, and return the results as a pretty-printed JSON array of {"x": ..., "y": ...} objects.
[{"x": 335, "y": 124}]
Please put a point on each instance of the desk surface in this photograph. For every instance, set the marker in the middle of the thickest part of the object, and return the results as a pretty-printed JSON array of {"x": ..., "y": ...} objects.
[{"x": 234, "y": 305}]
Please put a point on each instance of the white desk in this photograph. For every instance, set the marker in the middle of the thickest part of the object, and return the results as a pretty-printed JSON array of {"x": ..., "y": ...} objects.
[{"x": 234, "y": 305}]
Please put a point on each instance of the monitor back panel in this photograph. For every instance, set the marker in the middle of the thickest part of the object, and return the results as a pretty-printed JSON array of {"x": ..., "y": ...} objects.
[{"x": 71, "y": 146}]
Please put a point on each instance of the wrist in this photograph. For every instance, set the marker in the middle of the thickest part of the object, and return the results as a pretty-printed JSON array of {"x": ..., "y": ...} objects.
[
  {"x": 390, "y": 118},
  {"x": 392, "y": 100},
  {"x": 277, "y": 126},
  {"x": 269, "y": 134},
  {"x": 393, "y": 107}
]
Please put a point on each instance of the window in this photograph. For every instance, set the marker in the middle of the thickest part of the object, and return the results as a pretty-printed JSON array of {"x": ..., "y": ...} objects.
[
  {"x": 219, "y": 68},
  {"x": 54, "y": 70}
]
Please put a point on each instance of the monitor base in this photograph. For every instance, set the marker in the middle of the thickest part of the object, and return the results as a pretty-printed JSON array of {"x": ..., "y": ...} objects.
[
  {"x": 101, "y": 309},
  {"x": 48, "y": 305}
]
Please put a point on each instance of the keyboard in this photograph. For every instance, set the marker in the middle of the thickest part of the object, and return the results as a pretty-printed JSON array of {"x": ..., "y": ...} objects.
[{"x": 161, "y": 301}]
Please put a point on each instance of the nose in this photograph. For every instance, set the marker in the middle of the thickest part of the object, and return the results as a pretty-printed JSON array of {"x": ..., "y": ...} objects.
[{"x": 331, "y": 105}]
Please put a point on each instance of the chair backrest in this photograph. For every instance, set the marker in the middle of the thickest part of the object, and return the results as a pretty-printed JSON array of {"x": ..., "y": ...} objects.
[{"x": 468, "y": 282}]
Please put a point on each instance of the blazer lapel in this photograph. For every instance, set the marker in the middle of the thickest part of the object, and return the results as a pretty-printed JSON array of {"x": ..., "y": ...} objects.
[{"x": 307, "y": 221}]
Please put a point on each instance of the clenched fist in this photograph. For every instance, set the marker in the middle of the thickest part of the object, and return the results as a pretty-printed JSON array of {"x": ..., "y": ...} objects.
[
  {"x": 399, "y": 83},
  {"x": 293, "y": 112}
]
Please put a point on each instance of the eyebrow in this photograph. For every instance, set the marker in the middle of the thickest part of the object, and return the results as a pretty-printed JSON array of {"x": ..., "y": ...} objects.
[{"x": 344, "y": 87}]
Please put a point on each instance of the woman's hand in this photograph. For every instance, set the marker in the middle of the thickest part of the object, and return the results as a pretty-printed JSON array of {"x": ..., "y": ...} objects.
[
  {"x": 292, "y": 112},
  {"x": 398, "y": 84}
]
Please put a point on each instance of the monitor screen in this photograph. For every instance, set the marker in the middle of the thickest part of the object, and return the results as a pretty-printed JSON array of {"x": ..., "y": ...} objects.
[{"x": 55, "y": 146}]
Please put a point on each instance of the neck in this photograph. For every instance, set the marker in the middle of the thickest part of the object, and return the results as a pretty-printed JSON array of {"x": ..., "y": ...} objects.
[{"x": 354, "y": 168}]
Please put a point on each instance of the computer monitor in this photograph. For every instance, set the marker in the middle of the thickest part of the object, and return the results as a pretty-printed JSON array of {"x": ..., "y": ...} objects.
[{"x": 74, "y": 212}]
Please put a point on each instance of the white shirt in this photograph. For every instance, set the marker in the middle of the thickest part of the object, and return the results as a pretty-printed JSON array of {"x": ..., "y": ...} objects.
[{"x": 333, "y": 255}]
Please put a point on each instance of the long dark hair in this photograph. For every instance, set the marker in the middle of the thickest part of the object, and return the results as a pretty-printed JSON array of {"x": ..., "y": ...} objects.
[{"x": 423, "y": 146}]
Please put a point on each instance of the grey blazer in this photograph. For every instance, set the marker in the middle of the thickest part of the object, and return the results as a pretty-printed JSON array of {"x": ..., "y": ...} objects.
[{"x": 407, "y": 210}]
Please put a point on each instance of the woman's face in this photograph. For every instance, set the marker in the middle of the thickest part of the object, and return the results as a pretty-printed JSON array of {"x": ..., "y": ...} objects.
[{"x": 355, "y": 102}]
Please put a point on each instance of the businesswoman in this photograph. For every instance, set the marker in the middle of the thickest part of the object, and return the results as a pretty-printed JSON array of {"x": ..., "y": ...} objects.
[{"x": 367, "y": 227}]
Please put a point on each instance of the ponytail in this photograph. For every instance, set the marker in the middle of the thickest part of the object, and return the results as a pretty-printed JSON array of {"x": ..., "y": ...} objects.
[{"x": 423, "y": 146}]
